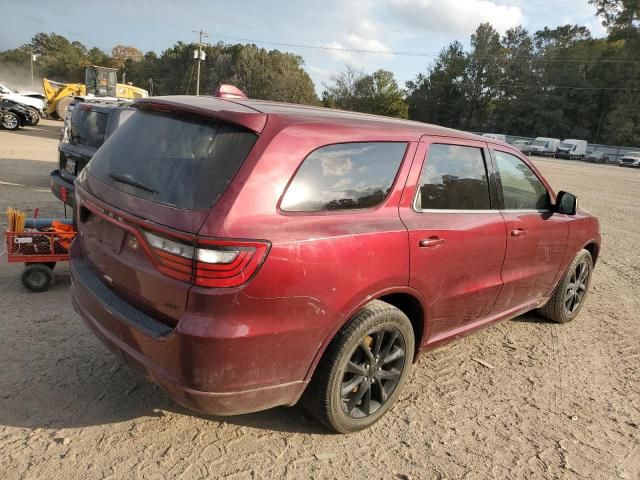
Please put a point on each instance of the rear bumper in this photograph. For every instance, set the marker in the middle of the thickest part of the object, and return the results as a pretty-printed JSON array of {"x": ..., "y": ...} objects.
[
  {"x": 207, "y": 371},
  {"x": 57, "y": 183}
]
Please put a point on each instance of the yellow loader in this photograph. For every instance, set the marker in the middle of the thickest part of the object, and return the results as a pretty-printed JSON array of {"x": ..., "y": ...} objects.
[{"x": 100, "y": 82}]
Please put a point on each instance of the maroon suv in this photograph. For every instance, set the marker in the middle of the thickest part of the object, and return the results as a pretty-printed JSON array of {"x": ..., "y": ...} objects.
[{"x": 247, "y": 254}]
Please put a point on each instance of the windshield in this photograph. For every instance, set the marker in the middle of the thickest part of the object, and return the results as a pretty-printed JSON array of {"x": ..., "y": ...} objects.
[
  {"x": 185, "y": 162},
  {"x": 633, "y": 155},
  {"x": 540, "y": 143},
  {"x": 566, "y": 146}
]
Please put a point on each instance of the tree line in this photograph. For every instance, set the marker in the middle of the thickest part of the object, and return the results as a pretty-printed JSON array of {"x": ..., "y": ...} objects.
[{"x": 558, "y": 82}]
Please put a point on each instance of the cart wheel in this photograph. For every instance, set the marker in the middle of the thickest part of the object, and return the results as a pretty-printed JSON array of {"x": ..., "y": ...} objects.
[
  {"x": 51, "y": 265},
  {"x": 37, "y": 277}
]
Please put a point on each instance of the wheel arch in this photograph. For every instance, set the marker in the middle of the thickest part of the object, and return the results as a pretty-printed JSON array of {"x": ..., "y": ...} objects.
[
  {"x": 406, "y": 299},
  {"x": 594, "y": 249}
]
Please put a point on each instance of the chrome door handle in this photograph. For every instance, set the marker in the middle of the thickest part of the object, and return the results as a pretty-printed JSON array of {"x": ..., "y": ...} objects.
[
  {"x": 430, "y": 242},
  {"x": 518, "y": 232}
]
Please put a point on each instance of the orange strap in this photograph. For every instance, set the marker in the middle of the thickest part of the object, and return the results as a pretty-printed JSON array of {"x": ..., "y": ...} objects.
[{"x": 59, "y": 227}]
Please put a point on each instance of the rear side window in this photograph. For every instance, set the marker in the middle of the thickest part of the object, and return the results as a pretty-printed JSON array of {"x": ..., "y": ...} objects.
[
  {"x": 453, "y": 177},
  {"x": 521, "y": 188},
  {"x": 186, "y": 162},
  {"x": 345, "y": 176},
  {"x": 87, "y": 127}
]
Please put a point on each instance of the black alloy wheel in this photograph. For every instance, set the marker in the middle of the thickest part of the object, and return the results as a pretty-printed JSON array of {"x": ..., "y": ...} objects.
[
  {"x": 373, "y": 372},
  {"x": 363, "y": 370}
]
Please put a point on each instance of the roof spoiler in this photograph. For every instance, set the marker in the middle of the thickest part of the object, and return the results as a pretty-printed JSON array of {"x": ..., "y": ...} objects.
[{"x": 229, "y": 91}]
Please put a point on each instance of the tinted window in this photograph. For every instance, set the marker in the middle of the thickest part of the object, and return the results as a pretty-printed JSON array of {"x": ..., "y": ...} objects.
[
  {"x": 87, "y": 127},
  {"x": 179, "y": 161},
  {"x": 521, "y": 189},
  {"x": 343, "y": 177},
  {"x": 455, "y": 178}
]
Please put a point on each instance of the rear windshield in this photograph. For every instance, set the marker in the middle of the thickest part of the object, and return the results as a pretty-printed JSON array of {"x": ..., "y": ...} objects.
[
  {"x": 87, "y": 127},
  {"x": 184, "y": 162}
]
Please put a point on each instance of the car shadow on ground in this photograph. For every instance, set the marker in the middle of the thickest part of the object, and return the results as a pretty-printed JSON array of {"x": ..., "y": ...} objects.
[
  {"x": 532, "y": 317},
  {"x": 63, "y": 377},
  {"x": 111, "y": 393}
]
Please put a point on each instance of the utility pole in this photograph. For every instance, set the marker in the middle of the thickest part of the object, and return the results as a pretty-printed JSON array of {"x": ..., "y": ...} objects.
[
  {"x": 199, "y": 55},
  {"x": 32, "y": 59}
]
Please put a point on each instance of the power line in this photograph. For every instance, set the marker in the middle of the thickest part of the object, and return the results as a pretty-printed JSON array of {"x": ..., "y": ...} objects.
[
  {"x": 631, "y": 60},
  {"x": 559, "y": 87}
]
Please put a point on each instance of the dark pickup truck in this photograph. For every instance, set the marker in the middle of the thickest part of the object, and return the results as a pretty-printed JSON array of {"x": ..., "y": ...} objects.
[{"x": 87, "y": 128}]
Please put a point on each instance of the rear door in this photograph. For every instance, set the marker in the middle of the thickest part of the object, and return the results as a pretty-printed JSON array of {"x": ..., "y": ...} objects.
[
  {"x": 456, "y": 233},
  {"x": 536, "y": 237}
]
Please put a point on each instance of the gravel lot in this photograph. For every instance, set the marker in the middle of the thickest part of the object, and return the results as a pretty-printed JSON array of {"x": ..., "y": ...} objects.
[{"x": 561, "y": 401}]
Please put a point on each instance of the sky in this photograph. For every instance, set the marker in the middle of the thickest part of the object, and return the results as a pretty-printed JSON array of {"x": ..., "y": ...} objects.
[{"x": 416, "y": 26}]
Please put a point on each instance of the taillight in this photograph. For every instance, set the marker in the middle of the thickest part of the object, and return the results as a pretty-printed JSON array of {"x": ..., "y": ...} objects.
[
  {"x": 228, "y": 263},
  {"x": 173, "y": 258},
  {"x": 218, "y": 263}
]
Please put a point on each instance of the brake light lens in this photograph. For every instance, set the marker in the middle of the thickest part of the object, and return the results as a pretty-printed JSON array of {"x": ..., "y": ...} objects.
[
  {"x": 218, "y": 263},
  {"x": 228, "y": 263}
]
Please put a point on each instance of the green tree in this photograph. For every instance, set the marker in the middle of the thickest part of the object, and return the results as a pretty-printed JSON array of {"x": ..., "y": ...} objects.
[
  {"x": 439, "y": 95},
  {"x": 483, "y": 77},
  {"x": 377, "y": 93},
  {"x": 342, "y": 93}
]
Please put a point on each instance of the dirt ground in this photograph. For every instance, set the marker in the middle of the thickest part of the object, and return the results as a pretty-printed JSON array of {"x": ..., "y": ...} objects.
[{"x": 561, "y": 401}]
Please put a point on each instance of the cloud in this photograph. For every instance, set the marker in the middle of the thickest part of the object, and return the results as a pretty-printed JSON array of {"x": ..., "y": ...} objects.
[
  {"x": 360, "y": 33},
  {"x": 460, "y": 17},
  {"x": 336, "y": 164}
]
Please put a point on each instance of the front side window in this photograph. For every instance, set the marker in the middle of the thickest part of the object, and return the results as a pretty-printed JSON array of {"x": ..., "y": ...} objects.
[
  {"x": 521, "y": 188},
  {"x": 454, "y": 177},
  {"x": 344, "y": 176}
]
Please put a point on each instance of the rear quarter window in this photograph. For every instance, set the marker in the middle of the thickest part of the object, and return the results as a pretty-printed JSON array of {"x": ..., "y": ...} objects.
[
  {"x": 345, "y": 176},
  {"x": 87, "y": 127}
]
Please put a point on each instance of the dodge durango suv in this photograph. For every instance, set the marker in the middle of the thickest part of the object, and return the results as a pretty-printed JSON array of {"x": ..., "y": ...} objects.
[{"x": 247, "y": 254}]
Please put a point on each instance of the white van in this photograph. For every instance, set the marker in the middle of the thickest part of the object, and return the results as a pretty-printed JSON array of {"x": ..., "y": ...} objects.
[
  {"x": 496, "y": 136},
  {"x": 544, "y": 146},
  {"x": 571, "y": 148}
]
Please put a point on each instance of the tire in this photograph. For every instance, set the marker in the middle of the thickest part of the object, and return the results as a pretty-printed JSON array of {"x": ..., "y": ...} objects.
[
  {"x": 10, "y": 121},
  {"x": 34, "y": 116},
  {"x": 350, "y": 399},
  {"x": 37, "y": 277},
  {"x": 562, "y": 306},
  {"x": 61, "y": 107}
]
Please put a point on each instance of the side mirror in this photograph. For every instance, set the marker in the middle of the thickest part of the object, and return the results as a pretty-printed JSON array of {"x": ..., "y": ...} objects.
[{"x": 566, "y": 203}]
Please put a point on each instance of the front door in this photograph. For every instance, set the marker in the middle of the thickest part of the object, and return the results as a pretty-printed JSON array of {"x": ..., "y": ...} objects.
[
  {"x": 536, "y": 237},
  {"x": 457, "y": 236}
]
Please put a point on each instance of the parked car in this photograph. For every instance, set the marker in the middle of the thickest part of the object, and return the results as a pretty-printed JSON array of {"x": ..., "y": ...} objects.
[
  {"x": 246, "y": 254},
  {"x": 32, "y": 94},
  {"x": 523, "y": 145},
  {"x": 597, "y": 156},
  {"x": 495, "y": 136},
  {"x": 543, "y": 146},
  {"x": 84, "y": 131},
  {"x": 13, "y": 115},
  {"x": 571, "y": 148},
  {"x": 35, "y": 106},
  {"x": 630, "y": 159}
]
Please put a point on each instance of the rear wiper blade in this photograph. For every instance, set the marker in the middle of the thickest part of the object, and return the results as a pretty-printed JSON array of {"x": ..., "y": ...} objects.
[{"x": 122, "y": 178}]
